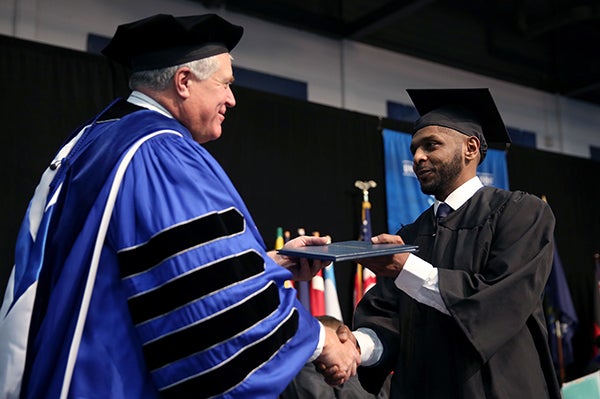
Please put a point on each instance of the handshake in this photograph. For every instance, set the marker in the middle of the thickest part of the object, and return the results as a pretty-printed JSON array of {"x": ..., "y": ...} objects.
[{"x": 341, "y": 354}]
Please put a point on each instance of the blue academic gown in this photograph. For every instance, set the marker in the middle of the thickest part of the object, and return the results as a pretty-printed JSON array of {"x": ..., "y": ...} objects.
[{"x": 184, "y": 303}]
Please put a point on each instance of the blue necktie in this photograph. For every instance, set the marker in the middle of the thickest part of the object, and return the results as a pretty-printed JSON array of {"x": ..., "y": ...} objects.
[{"x": 443, "y": 211}]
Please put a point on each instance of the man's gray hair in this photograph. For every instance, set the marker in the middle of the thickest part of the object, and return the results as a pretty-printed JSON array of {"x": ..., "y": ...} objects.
[{"x": 158, "y": 79}]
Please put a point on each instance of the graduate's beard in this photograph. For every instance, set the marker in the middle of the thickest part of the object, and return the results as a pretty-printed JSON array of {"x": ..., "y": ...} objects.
[{"x": 446, "y": 175}]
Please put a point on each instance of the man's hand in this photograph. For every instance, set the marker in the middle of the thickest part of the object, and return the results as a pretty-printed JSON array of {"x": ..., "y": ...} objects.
[
  {"x": 302, "y": 269},
  {"x": 339, "y": 360},
  {"x": 387, "y": 265}
]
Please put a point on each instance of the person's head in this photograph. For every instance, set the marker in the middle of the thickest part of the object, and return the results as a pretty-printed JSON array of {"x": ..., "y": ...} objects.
[
  {"x": 184, "y": 64},
  {"x": 443, "y": 159},
  {"x": 450, "y": 138}
]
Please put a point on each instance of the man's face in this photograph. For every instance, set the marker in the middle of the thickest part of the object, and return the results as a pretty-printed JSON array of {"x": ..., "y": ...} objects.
[
  {"x": 208, "y": 102},
  {"x": 438, "y": 159}
]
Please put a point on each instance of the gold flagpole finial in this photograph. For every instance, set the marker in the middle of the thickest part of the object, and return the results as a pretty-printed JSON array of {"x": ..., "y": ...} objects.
[{"x": 364, "y": 186}]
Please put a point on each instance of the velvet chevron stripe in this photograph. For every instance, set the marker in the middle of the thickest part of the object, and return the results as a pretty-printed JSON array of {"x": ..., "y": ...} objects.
[
  {"x": 195, "y": 285},
  {"x": 180, "y": 238},
  {"x": 232, "y": 373},
  {"x": 212, "y": 331}
]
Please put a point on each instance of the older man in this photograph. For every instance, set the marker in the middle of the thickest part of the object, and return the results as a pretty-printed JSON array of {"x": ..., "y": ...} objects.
[{"x": 139, "y": 271}]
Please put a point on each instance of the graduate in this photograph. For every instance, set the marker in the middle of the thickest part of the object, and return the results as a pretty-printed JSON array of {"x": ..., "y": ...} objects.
[{"x": 462, "y": 317}]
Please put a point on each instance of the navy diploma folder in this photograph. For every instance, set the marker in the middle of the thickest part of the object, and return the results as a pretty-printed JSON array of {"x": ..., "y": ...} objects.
[{"x": 347, "y": 250}]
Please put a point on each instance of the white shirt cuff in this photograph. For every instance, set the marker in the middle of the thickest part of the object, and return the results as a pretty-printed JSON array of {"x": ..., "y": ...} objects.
[
  {"x": 419, "y": 279},
  {"x": 371, "y": 348},
  {"x": 320, "y": 344}
]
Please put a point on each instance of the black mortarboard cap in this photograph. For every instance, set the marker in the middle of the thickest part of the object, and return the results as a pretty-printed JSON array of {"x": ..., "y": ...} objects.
[
  {"x": 163, "y": 40},
  {"x": 472, "y": 112}
]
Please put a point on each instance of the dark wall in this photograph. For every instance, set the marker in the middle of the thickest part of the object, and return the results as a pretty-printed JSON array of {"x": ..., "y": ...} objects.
[
  {"x": 572, "y": 188},
  {"x": 294, "y": 162},
  {"x": 46, "y": 93}
]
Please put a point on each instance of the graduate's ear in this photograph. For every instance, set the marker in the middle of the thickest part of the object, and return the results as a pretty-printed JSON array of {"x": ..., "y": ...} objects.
[{"x": 472, "y": 145}]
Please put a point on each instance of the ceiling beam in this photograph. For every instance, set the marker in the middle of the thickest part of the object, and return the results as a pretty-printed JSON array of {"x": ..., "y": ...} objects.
[{"x": 383, "y": 16}]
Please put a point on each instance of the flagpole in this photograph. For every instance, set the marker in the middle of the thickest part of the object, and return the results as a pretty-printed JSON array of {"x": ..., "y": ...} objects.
[
  {"x": 365, "y": 235},
  {"x": 559, "y": 351}
]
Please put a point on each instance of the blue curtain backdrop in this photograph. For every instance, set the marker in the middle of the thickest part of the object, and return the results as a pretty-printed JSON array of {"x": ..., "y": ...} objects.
[{"x": 405, "y": 201}]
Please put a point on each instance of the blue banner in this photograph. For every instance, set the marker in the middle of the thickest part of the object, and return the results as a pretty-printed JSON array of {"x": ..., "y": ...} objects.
[{"x": 405, "y": 201}]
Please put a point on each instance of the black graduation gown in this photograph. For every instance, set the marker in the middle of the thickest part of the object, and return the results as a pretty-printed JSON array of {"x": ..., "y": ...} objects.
[{"x": 494, "y": 256}]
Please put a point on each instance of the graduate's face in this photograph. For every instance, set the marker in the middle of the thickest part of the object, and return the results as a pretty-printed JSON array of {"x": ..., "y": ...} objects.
[
  {"x": 208, "y": 102},
  {"x": 438, "y": 160}
]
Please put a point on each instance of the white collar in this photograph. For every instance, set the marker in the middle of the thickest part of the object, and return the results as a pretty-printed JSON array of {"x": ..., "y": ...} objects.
[
  {"x": 140, "y": 99},
  {"x": 462, "y": 194}
]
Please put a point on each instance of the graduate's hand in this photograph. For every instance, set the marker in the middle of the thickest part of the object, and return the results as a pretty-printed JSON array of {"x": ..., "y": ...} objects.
[
  {"x": 339, "y": 360},
  {"x": 387, "y": 265},
  {"x": 332, "y": 372},
  {"x": 302, "y": 269}
]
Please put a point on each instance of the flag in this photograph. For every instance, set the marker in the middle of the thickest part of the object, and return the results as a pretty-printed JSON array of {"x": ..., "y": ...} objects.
[
  {"x": 365, "y": 229},
  {"x": 358, "y": 289},
  {"x": 279, "y": 239},
  {"x": 317, "y": 294},
  {"x": 286, "y": 238},
  {"x": 303, "y": 287},
  {"x": 279, "y": 243},
  {"x": 332, "y": 303},
  {"x": 369, "y": 280},
  {"x": 317, "y": 291},
  {"x": 560, "y": 315}
]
